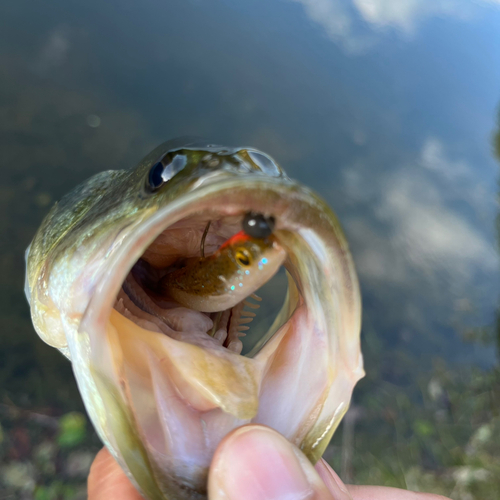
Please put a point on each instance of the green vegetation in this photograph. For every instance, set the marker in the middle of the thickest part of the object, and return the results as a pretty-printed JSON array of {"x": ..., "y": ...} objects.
[{"x": 44, "y": 457}]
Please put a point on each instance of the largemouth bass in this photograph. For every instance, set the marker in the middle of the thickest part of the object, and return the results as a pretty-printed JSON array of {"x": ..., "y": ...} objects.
[{"x": 162, "y": 380}]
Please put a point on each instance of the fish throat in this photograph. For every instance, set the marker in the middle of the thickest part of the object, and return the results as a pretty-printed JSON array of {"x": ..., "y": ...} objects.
[{"x": 224, "y": 287}]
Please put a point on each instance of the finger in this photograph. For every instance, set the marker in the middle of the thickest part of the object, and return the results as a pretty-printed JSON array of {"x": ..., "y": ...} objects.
[
  {"x": 256, "y": 463},
  {"x": 384, "y": 493},
  {"x": 107, "y": 481},
  {"x": 329, "y": 477}
]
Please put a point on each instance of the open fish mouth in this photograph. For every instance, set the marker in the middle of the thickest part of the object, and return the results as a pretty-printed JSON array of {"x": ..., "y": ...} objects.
[
  {"x": 142, "y": 301},
  {"x": 182, "y": 390},
  {"x": 163, "y": 383}
]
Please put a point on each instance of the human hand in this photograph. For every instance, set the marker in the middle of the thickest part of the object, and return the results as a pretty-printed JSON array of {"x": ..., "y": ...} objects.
[{"x": 253, "y": 463}]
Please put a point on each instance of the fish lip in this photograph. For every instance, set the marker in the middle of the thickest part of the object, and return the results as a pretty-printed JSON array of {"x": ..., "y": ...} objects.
[
  {"x": 297, "y": 209},
  {"x": 27, "y": 290},
  {"x": 127, "y": 249}
]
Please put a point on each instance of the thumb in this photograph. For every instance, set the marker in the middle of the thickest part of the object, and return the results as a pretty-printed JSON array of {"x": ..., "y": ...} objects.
[{"x": 256, "y": 463}]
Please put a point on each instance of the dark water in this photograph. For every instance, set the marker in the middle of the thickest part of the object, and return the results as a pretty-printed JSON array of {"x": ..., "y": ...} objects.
[{"x": 388, "y": 108}]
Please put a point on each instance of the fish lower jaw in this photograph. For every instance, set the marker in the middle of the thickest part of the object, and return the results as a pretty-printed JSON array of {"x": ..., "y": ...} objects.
[
  {"x": 181, "y": 380},
  {"x": 184, "y": 398},
  {"x": 183, "y": 389}
]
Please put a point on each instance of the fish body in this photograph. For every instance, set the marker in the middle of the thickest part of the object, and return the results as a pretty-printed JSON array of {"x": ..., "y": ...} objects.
[{"x": 160, "y": 390}]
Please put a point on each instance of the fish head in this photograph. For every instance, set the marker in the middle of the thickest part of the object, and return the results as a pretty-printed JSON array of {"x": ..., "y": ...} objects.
[{"x": 160, "y": 390}]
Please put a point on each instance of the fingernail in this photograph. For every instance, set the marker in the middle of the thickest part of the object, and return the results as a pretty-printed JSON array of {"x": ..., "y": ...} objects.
[
  {"x": 332, "y": 481},
  {"x": 340, "y": 483},
  {"x": 258, "y": 464}
]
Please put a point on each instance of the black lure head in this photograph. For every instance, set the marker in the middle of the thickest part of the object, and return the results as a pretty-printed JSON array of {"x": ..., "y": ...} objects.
[{"x": 258, "y": 225}]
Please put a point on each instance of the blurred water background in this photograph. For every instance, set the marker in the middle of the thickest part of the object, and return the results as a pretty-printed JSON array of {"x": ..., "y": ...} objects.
[{"x": 387, "y": 108}]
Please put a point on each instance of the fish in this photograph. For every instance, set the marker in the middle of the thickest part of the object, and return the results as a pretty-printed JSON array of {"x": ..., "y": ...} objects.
[
  {"x": 219, "y": 282},
  {"x": 164, "y": 382}
]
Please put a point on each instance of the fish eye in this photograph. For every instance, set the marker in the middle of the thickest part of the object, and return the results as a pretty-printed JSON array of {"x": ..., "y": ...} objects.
[
  {"x": 258, "y": 225},
  {"x": 243, "y": 257},
  {"x": 160, "y": 172},
  {"x": 155, "y": 179}
]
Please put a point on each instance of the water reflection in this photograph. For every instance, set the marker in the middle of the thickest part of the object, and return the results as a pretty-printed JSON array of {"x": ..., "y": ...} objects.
[
  {"x": 358, "y": 24},
  {"x": 433, "y": 211}
]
